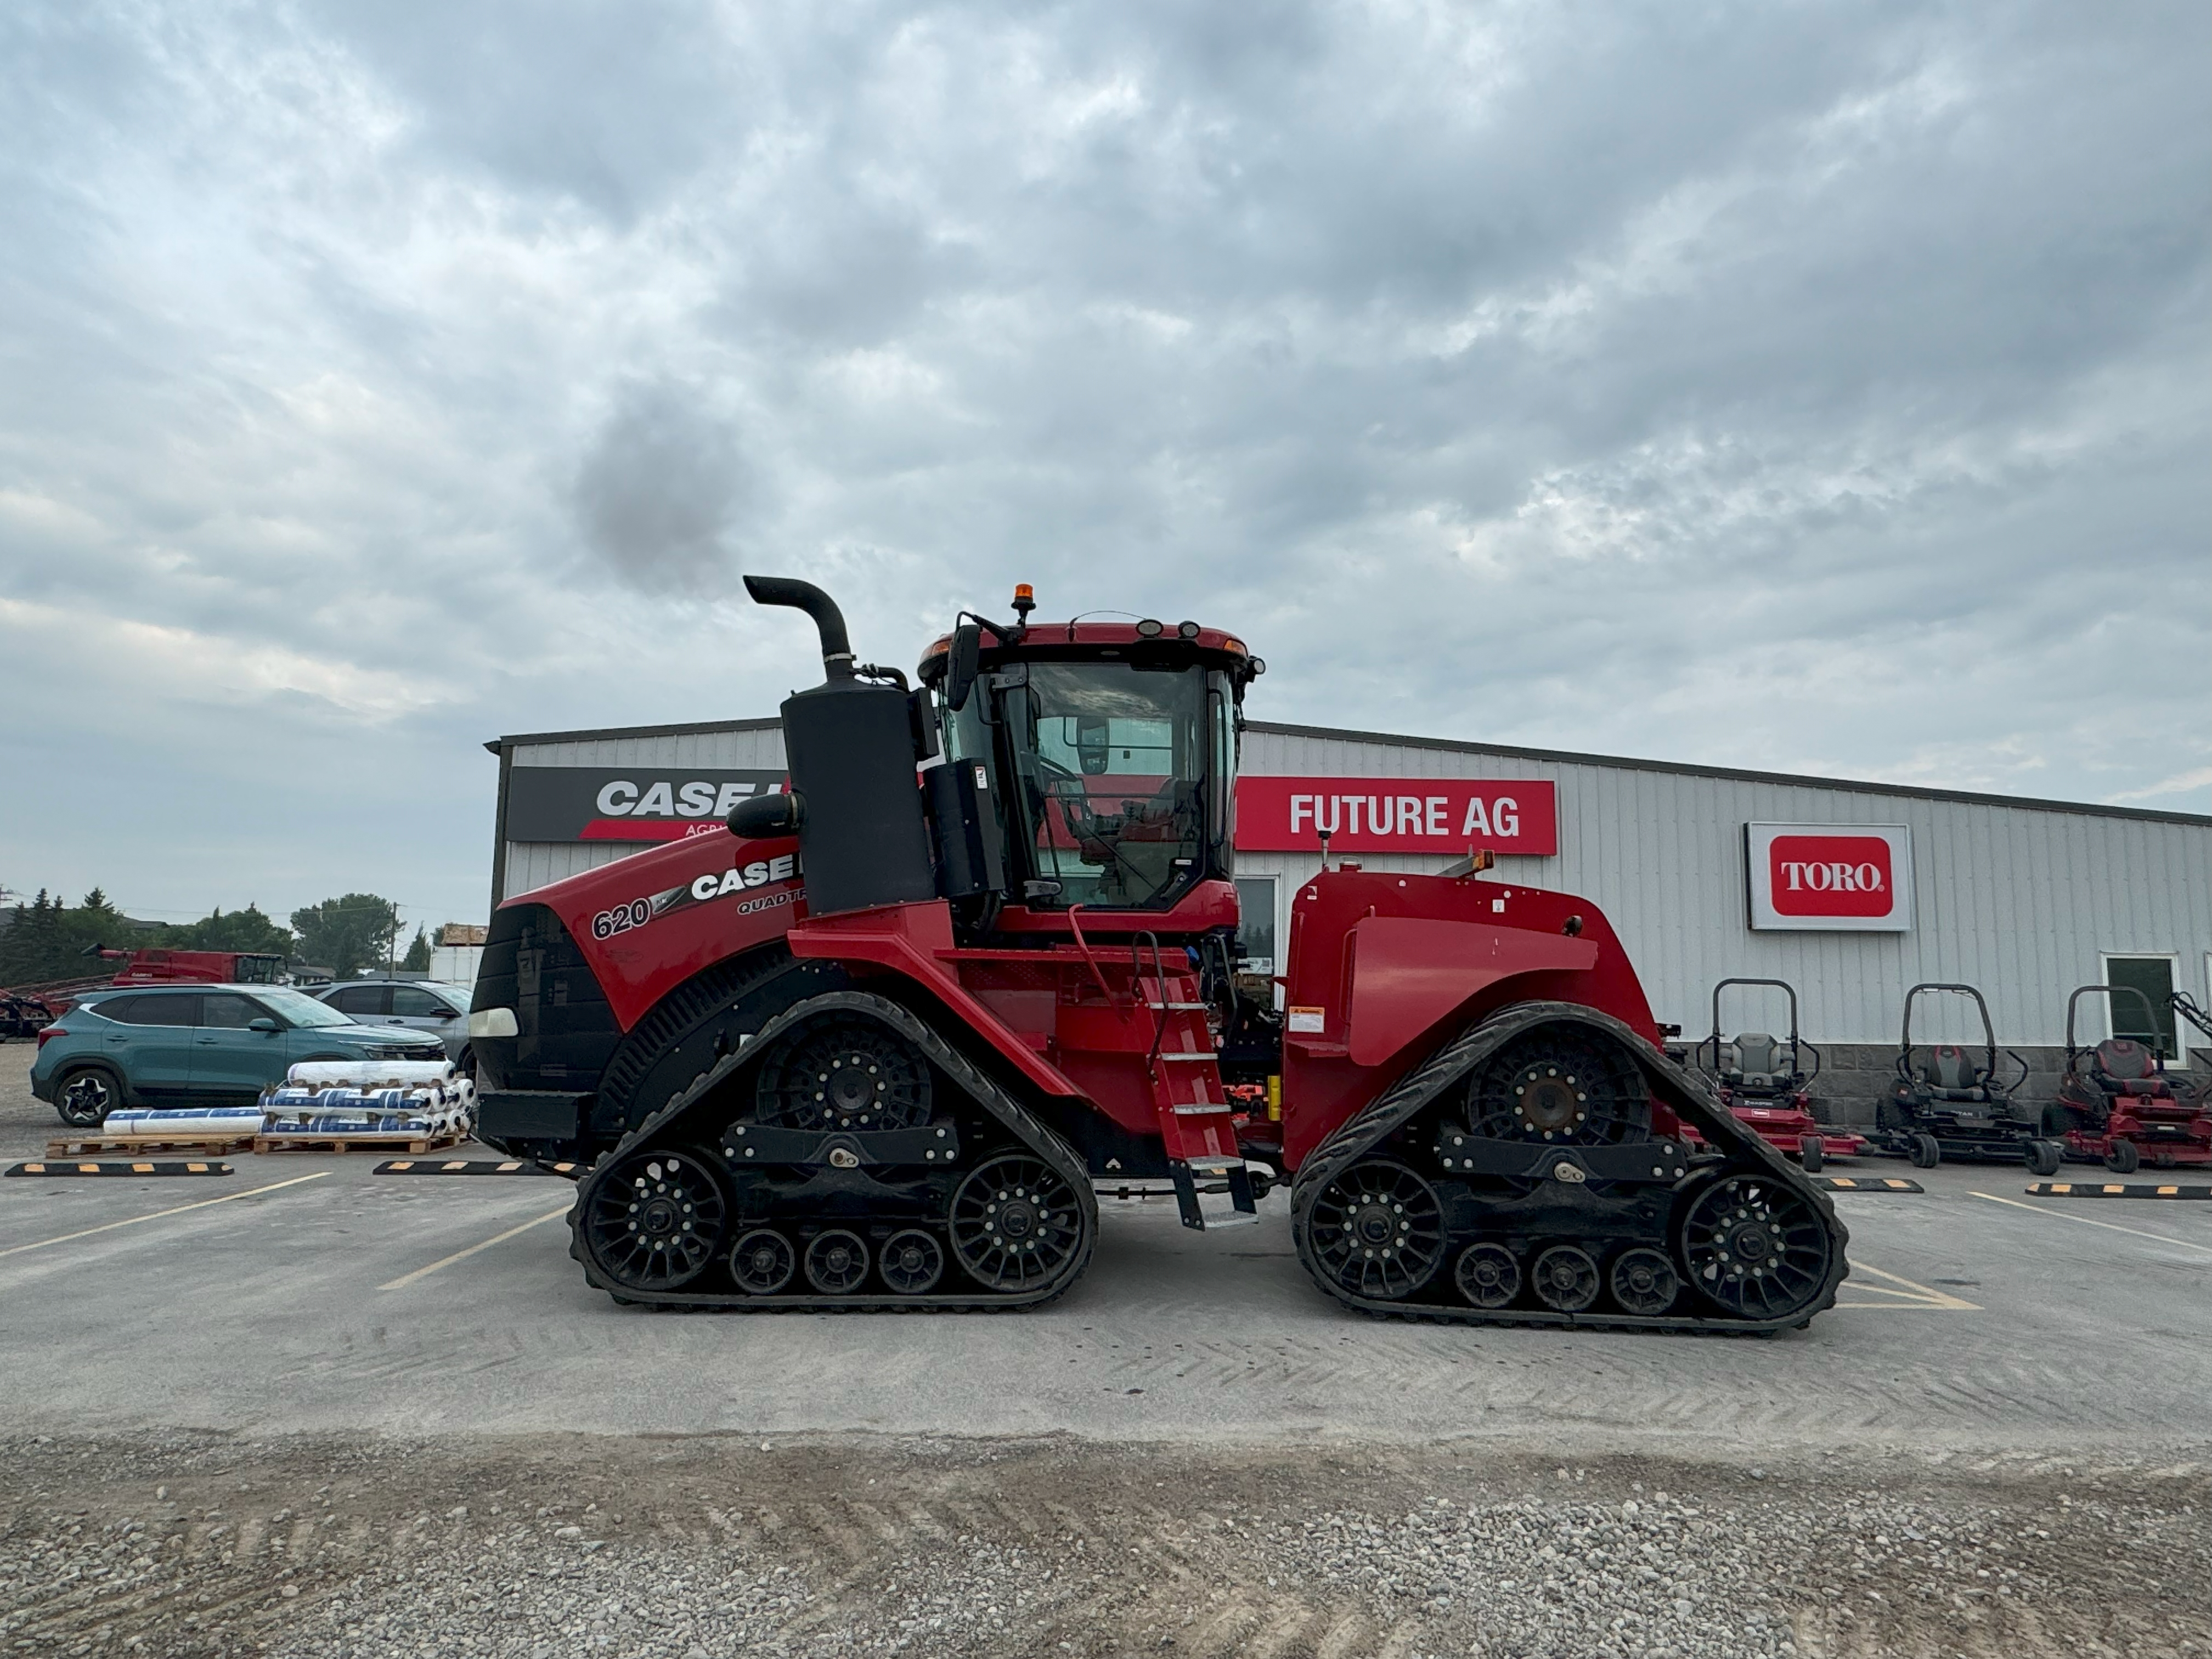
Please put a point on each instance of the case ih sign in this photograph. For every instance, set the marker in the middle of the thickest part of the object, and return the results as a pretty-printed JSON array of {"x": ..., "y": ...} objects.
[
  {"x": 631, "y": 804},
  {"x": 1397, "y": 815},
  {"x": 1830, "y": 877}
]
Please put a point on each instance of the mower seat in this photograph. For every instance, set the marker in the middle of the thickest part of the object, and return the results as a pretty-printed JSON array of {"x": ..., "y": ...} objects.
[
  {"x": 1949, "y": 1073},
  {"x": 2124, "y": 1067},
  {"x": 1755, "y": 1060}
]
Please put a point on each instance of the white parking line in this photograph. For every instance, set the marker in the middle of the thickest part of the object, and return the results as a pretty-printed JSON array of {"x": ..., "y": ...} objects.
[
  {"x": 1911, "y": 1296},
  {"x": 132, "y": 1221},
  {"x": 405, "y": 1279},
  {"x": 2083, "y": 1220}
]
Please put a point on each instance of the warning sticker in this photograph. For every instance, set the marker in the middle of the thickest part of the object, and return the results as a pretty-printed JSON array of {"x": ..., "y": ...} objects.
[{"x": 1306, "y": 1022}]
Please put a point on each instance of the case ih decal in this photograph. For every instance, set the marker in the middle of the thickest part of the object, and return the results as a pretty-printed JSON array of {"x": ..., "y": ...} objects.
[
  {"x": 761, "y": 872},
  {"x": 1829, "y": 878},
  {"x": 1397, "y": 815},
  {"x": 632, "y": 804}
]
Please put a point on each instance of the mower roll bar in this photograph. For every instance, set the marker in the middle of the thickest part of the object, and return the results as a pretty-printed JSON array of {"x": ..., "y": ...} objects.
[
  {"x": 2186, "y": 1006},
  {"x": 1988, "y": 1036},
  {"x": 2150, "y": 1015},
  {"x": 1796, "y": 1043}
]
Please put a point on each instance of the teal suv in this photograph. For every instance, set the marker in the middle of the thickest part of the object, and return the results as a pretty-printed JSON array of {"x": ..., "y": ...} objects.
[{"x": 179, "y": 1045}]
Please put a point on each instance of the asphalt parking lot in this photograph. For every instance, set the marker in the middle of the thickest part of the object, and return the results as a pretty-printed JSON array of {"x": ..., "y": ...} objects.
[{"x": 305, "y": 1323}]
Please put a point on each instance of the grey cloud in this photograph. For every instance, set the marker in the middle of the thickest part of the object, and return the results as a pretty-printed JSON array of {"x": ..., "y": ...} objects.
[
  {"x": 1809, "y": 386},
  {"x": 661, "y": 490}
]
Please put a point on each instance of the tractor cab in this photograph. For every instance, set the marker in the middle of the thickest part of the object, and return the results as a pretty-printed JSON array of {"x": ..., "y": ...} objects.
[{"x": 1107, "y": 755}]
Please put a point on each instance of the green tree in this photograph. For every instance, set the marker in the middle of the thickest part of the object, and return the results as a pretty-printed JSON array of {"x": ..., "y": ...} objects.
[
  {"x": 347, "y": 933},
  {"x": 417, "y": 959},
  {"x": 241, "y": 930}
]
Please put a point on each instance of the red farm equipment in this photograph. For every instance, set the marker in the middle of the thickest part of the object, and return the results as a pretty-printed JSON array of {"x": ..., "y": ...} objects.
[
  {"x": 2116, "y": 1104},
  {"x": 1944, "y": 1103},
  {"x": 884, "y": 1045},
  {"x": 155, "y": 967},
  {"x": 1764, "y": 1083}
]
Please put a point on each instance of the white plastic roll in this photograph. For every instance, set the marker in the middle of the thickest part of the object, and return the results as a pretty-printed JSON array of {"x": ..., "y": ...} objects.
[
  {"x": 370, "y": 1073},
  {"x": 197, "y": 1120}
]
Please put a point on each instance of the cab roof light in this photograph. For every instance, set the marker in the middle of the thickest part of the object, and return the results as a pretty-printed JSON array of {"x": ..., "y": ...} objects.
[
  {"x": 1149, "y": 629},
  {"x": 1188, "y": 630}
]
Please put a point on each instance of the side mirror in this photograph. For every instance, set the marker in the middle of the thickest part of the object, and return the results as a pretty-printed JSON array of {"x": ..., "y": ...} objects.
[
  {"x": 264, "y": 1023},
  {"x": 1091, "y": 754},
  {"x": 962, "y": 661}
]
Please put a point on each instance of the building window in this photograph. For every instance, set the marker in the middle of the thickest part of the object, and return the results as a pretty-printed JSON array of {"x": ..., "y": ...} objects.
[
  {"x": 1256, "y": 923},
  {"x": 2154, "y": 977}
]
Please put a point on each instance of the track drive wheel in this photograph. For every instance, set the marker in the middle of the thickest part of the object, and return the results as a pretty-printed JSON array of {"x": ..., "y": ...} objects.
[
  {"x": 1562, "y": 1085},
  {"x": 2122, "y": 1158},
  {"x": 654, "y": 1220},
  {"x": 1753, "y": 1247},
  {"x": 1015, "y": 1222},
  {"x": 1378, "y": 1229},
  {"x": 1811, "y": 1151},
  {"x": 1926, "y": 1152}
]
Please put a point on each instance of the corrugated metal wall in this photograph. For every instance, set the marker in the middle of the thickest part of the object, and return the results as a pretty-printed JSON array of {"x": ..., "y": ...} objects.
[
  {"x": 2019, "y": 900},
  {"x": 534, "y": 864}
]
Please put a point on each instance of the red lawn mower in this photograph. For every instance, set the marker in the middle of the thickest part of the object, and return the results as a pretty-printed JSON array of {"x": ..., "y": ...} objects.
[
  {"x": 1946, "y": 1104},
  {"x": 2117, "y": 1104},
  {"x": 1763, "y": 1083}
]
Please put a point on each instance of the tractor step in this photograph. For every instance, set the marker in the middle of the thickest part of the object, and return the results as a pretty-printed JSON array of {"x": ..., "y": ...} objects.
[{"x": 1231, "y": 1171}]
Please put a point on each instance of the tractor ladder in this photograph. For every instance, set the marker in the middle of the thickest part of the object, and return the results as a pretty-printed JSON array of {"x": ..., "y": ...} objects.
[{"x": 1196, "y": 1126}]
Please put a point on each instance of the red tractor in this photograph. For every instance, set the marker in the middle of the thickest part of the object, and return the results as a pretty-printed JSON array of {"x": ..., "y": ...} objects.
[
  {"x": 882, "y": 1046},
  {"x": 1766, "y": 1085},
  {"x": 2117, "y": 1104}
]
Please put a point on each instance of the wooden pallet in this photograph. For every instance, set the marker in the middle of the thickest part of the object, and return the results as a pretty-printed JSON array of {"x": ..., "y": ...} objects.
[
  {"x": 208, "y": 1145},
  {"x": 417, "y": 1146}
]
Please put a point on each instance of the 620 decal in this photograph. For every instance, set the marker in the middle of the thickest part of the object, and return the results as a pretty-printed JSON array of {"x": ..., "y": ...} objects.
[{"x": 621, "y": 918}]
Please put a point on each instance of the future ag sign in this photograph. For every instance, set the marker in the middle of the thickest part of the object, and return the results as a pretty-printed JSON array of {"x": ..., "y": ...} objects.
[
  {"x": 1829, "y": 878},
  {"x": 631, "y": 804},
  {"x": 1397, "y": 815}
]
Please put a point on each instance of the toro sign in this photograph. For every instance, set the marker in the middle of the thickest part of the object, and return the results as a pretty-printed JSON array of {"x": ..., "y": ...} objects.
[
  {"x": 1397, "y": 815},
  {"x": 1829, "y": 878}
]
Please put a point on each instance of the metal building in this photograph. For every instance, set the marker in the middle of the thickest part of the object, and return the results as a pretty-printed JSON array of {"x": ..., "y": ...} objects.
[{"x": 1850, "y": 892}]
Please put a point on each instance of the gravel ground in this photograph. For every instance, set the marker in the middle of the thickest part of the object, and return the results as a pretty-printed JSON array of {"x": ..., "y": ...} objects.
[{"x": 675, "y": 1548}]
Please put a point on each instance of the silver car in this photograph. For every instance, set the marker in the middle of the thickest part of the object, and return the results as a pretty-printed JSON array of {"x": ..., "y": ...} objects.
[{"x": 427, "y": 1005}]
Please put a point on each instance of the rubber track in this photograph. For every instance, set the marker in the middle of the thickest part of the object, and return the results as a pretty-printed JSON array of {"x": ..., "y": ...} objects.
[
  {"x": 1677, "y": 1088},
  {"x": 1035, "y": 1136}
]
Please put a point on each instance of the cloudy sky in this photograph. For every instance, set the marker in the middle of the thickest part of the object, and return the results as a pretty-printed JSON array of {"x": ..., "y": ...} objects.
[{"x": 1813, "y": 388}]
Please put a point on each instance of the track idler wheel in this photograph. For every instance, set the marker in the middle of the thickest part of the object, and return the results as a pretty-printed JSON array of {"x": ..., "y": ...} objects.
[
  {"x": 1378, "y": 1229},
  {"x": 1754, "y": 1247},
  {"x": 843, "y": 1072},
  {"x": 1565, "y": 1279},
  {"x": 1645, "y": 1282},
  {"x": 1015, "y": 1222},
  {"x": 763, "y": 1262},
  {"x": 654, "y": 1220},
  {"x": 836, "y": 1262},
  {"x": 912, "y": 1262},
  {"x": 1488, "y": 1275}
]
